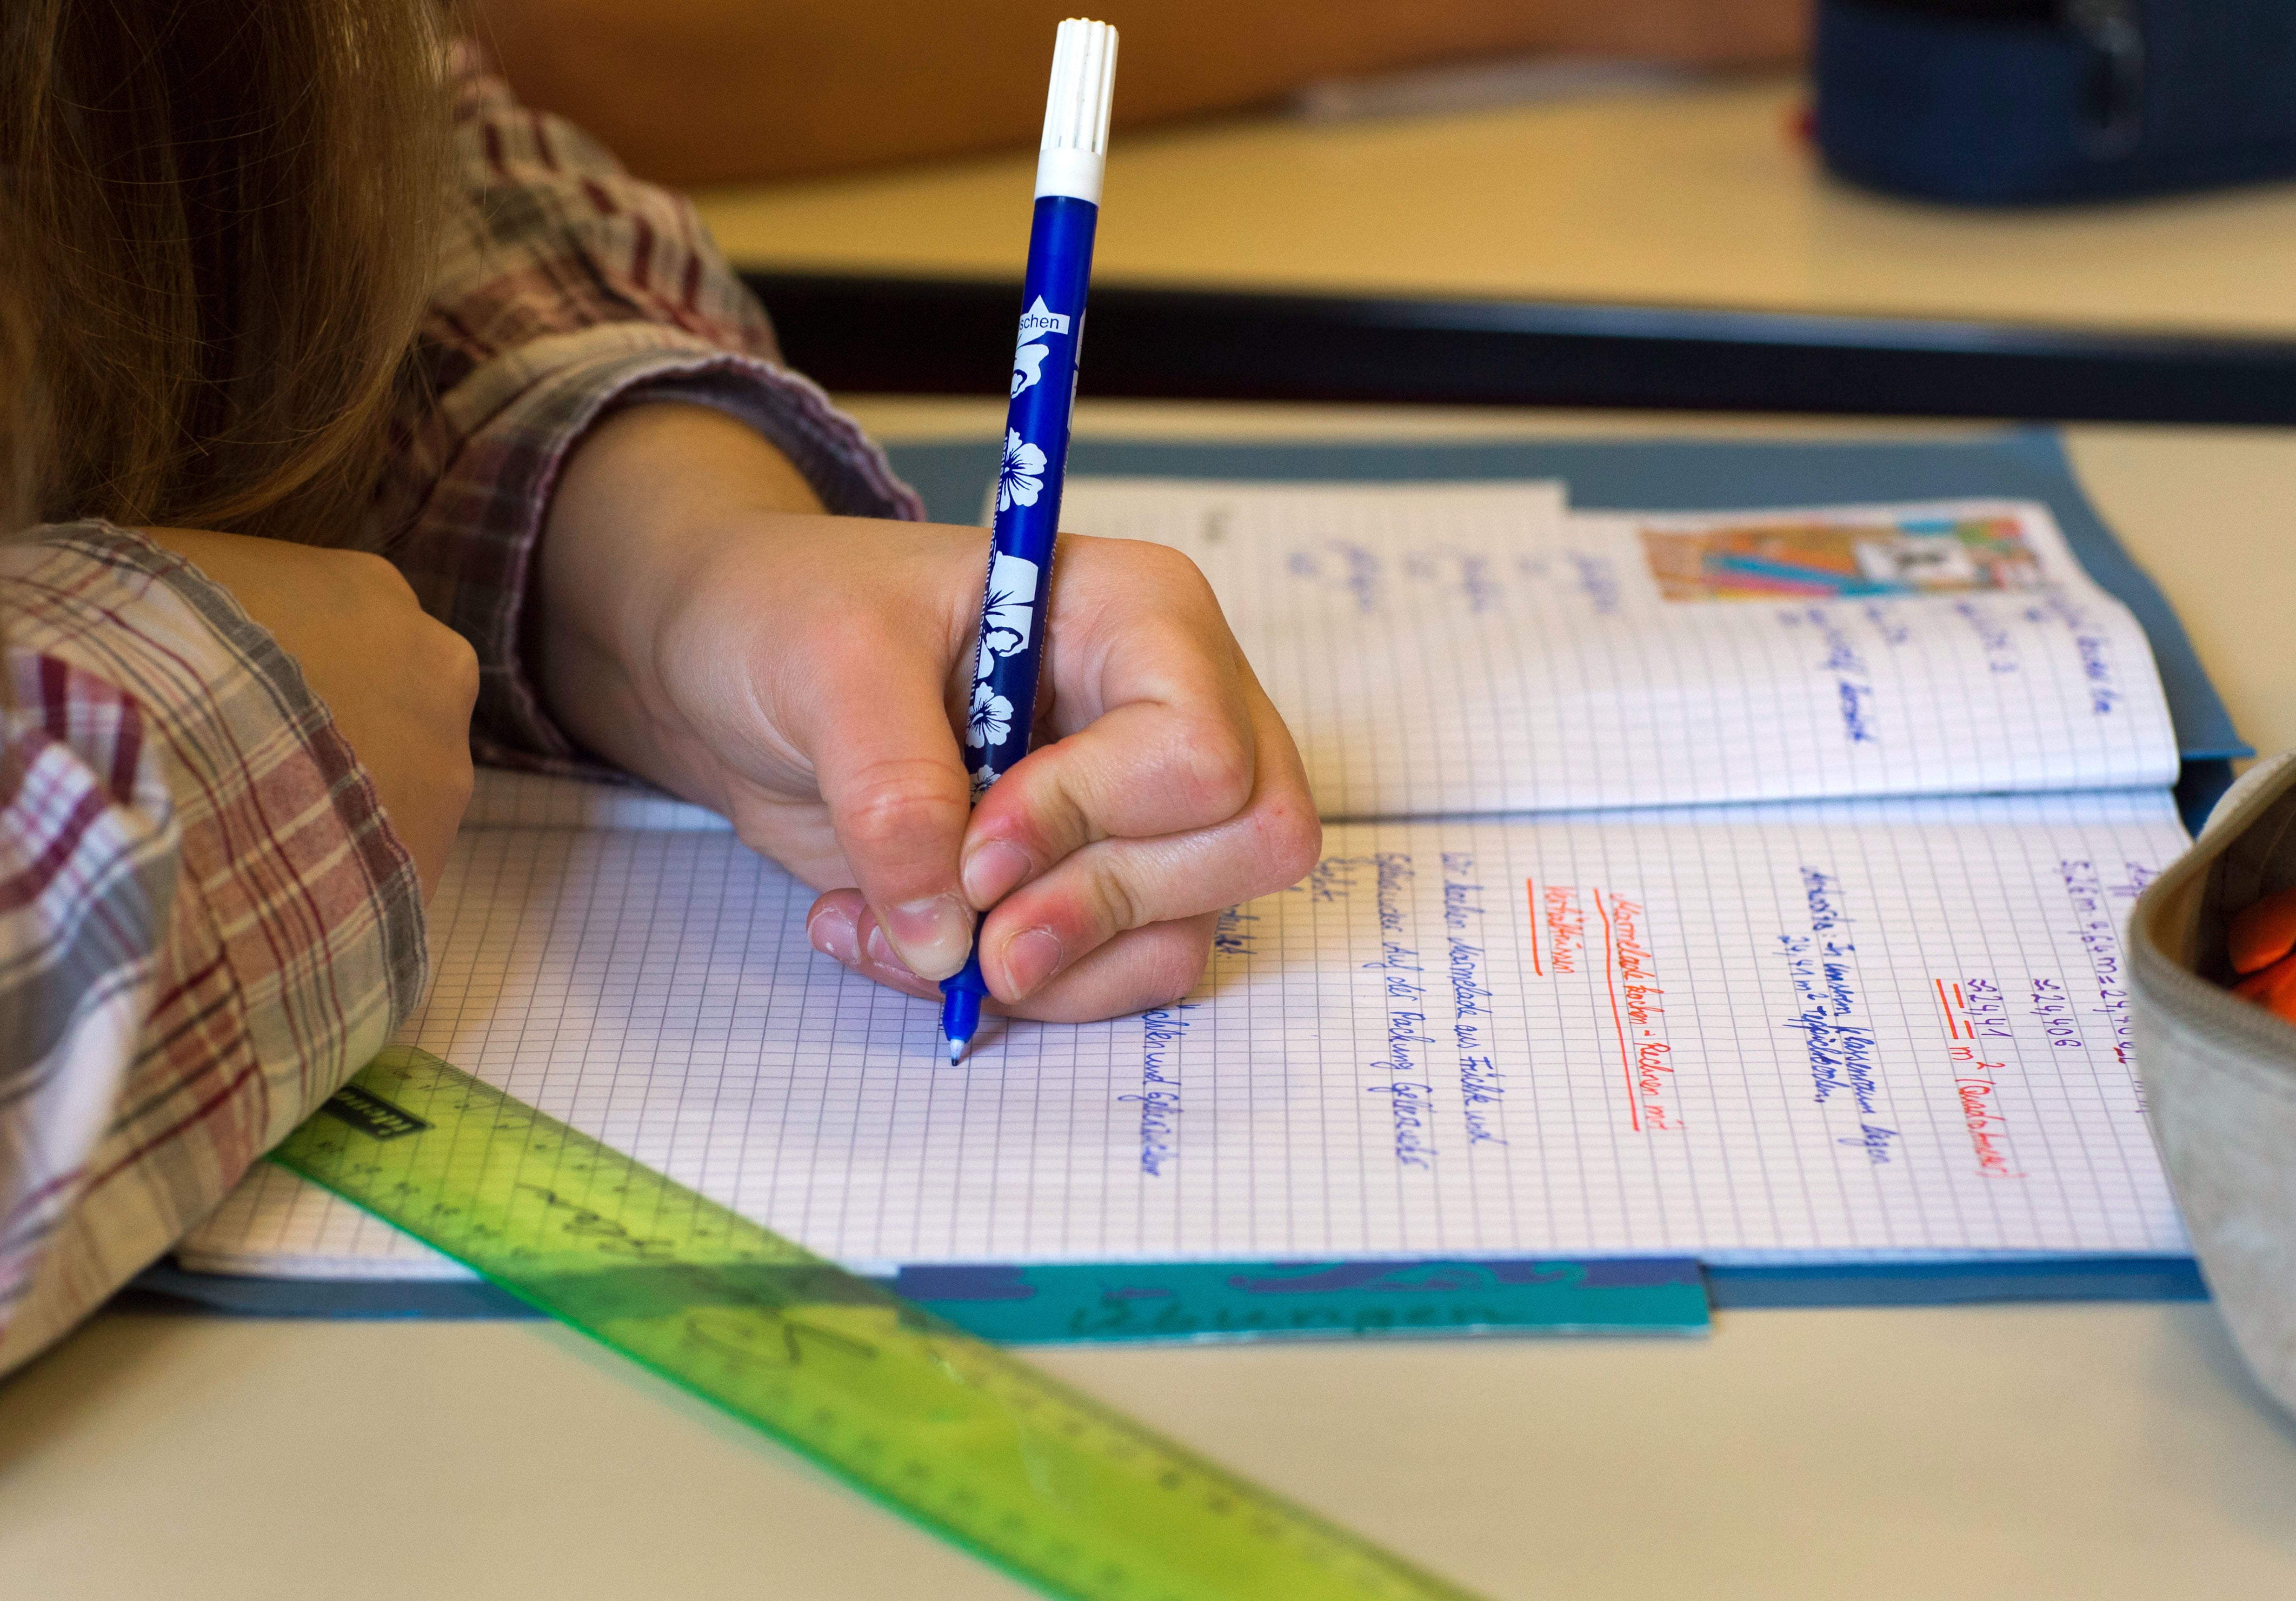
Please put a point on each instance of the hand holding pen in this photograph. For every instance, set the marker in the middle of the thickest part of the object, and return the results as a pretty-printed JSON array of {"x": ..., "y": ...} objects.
[{"x": 820, "y": 681}]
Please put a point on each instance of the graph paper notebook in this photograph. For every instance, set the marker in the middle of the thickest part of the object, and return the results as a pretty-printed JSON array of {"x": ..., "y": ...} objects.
[
  {"x": 1825, "y": 1029},
  {"x": 1841, "y": 1027},
  {"x": 1473, "y": 648}
]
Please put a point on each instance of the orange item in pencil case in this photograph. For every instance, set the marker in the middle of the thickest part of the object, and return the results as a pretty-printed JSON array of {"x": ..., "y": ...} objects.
[
  {"x": 2274, "y": 987},
  {"x": 2264, "y": 932}
]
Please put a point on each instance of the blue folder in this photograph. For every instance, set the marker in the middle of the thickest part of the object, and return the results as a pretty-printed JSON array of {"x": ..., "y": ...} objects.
[{"x": 1607, "y": 474}]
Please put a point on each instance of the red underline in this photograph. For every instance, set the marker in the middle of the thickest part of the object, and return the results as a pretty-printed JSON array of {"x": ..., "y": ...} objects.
[
  {"x": 1530, "y": 888},
  {"x": 1951, "y": 1030},
  {"x": 1610, "y": 977}
]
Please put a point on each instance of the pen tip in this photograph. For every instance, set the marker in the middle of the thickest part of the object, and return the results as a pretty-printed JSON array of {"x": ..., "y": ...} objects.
[{"x": 957, "y": 1051}]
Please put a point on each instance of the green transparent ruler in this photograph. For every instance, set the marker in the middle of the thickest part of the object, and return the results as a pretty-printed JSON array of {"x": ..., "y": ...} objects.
[{"x": 944, "y": 1428}]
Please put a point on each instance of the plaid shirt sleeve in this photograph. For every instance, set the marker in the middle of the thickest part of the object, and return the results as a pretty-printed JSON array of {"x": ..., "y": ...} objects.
[
  {"x": 205, "y": 923},
  {"x": 567, "y": 289}
]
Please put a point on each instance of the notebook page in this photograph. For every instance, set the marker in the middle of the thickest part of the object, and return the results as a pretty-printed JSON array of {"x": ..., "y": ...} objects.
[
  {"x": 1821, "y": 1027},
  {"x": 501, "y": 798},
  {"x": 1446, "y": 648}
]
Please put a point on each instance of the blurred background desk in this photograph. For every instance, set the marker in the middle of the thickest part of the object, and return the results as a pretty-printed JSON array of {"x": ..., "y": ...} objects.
[
  {"x": 1700, "y": 195},
  {"x": 1676, "y": 247}
]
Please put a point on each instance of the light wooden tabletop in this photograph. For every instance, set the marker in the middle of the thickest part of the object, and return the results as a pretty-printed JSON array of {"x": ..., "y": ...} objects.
[
  {"x": 1698, "y": 196},
  {"x": 1988, "y": 1453}
]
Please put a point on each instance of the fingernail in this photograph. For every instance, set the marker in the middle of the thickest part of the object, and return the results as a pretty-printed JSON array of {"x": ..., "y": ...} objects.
[
  {"x": 831, "y": 933},
  {"x": 1031, "y": 956},
  {"x": 933, "y": 937},
  {"x": 991, "y": 872},
  {"x": 880, "y": 950}
]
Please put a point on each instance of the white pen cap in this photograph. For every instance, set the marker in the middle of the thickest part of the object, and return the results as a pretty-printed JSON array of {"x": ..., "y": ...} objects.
[{"x": 1075, "y": 151}]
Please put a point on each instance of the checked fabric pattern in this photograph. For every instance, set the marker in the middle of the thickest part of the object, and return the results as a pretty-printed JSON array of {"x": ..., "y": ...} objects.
[{"x": 206, "y": 922}]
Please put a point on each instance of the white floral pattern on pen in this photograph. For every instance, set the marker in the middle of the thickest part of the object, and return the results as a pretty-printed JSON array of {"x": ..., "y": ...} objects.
[
  {"x": 991, "y": 719},
  {"x": 1023, "y": 475},
  {"x": 1007, "y": 611},
  {"x": 1028, "y": 365}
]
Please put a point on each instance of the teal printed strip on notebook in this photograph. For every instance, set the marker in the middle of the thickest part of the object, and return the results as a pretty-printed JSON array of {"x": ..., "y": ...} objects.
[
  {"x": 1144, "y": 1303},
  {"x": 1250, "y": 1301}
]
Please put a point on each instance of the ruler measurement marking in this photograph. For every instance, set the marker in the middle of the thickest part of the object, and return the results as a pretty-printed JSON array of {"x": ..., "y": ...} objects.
[{"x": 938, "y": 1426}]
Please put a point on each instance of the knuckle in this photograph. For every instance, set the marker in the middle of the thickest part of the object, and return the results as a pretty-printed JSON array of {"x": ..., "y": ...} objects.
[
  {"x": 1219, "y": 773},
  {"x": 1296, "y": 834},
  {"x": 1138, "y": 565},
  {"x": 897, "y": 803},
  {"x": 463, "y": 670},
  {"x": 1165, "y": 562},
  {"x": 1186, "y": 592},
  {"x": 1121, "y": 907},
  {"x": 450, "y": 664},
  {"x": 1055, "y": 814},
  {"x": 374, "y": 574},
  {"x": 1176, "y": 966}
]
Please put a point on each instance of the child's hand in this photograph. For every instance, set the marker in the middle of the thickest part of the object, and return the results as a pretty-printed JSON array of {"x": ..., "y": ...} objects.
[
  {"x": 800, "y": 673},
  {"x": 399, "y": 685}
]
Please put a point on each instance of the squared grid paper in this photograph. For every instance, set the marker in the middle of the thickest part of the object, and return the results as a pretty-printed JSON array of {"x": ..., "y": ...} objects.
[
  {"x": 1447, "y": 648},
  {"x": 655, "y": 989}
]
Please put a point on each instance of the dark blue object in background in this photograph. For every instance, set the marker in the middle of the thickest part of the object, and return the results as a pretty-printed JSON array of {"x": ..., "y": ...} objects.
[{"x": 2010, "y": 102}]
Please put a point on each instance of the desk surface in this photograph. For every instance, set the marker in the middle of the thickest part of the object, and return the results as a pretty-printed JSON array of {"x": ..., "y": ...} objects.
[
  {"x": 1697, "y": 195},
  {"x": 1982, "y": 1453},
  {"x": 2105, "y": 1452}
]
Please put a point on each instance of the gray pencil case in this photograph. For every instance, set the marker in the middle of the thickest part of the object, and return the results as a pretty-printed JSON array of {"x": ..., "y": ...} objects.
[{"x": 2219, "y": 1073}]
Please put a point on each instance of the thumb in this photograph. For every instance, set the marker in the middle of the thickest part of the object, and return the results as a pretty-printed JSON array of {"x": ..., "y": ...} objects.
[{"x": 890, "y": 772}]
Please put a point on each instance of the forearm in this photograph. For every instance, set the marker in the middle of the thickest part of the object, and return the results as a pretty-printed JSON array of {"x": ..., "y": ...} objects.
[
  {"x": 568, "y": 288},
  {"x": 703, "y": 91}
]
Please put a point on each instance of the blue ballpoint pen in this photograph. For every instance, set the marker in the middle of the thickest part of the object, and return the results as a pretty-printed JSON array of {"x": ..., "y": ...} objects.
[{"x": 1004, "y": 700}]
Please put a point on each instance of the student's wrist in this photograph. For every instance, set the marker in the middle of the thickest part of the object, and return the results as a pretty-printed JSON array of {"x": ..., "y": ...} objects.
[{"x": 642, "y": 509}]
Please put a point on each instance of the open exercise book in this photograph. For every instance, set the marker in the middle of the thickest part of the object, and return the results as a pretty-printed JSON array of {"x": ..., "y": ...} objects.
[{"x": 1748, "y": 886}]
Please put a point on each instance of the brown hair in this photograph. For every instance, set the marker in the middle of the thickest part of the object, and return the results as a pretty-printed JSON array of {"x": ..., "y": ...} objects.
[
  {"x": 225, "y": 211},
  {"x": 20, "y": 434}
]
